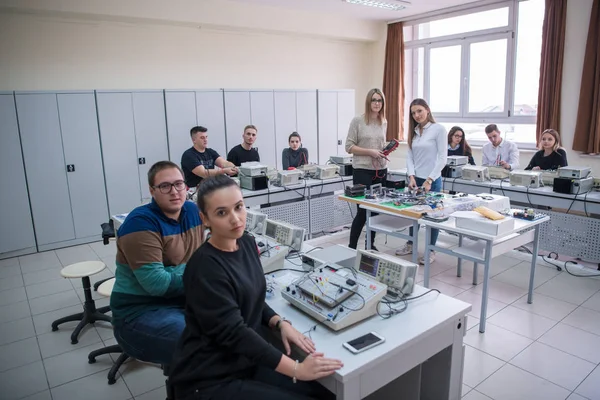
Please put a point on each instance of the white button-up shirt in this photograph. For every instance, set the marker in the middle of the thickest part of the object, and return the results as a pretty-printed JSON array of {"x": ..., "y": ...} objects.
[
  {"x": 429, "y": 152},
  {"x": 505, "y": 151}
]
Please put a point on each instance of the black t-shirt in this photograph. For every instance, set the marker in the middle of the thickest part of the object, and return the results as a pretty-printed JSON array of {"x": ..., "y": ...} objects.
[
  {"x": 556, "y": 159},
  {"x": 191, "y": 159},
  {"x": 225, "y": 310},
  {"x": 239, "y": 155},
  {"x": 294, "y": 158}
]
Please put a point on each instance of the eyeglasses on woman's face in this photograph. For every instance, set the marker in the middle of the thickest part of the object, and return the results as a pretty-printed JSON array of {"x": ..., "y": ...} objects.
[{"x": 376, "y": 100}]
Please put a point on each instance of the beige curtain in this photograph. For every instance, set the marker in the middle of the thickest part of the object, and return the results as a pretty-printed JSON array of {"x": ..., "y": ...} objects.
[
  {"x": 393, "y": 81},
  {"x": 551, "y": 66},
  {"x": 587, "y": 128}
]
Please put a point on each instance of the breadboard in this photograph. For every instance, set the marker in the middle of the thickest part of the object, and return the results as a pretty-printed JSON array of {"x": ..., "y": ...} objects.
[{"x": 328, "y": 296}]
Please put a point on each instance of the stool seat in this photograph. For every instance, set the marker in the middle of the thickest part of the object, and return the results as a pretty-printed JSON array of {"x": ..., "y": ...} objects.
[
  {"x": 82, "y": 269},
  {"x": 106, "y": 288}
]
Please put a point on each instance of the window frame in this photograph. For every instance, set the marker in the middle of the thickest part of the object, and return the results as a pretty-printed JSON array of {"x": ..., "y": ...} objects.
[{"x": 508, "y": 32}]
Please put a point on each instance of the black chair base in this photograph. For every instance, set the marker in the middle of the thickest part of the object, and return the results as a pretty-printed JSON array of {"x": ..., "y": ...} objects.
[
  {"x": 89, "y": 315},
  {"x": 117, "y": 364}
]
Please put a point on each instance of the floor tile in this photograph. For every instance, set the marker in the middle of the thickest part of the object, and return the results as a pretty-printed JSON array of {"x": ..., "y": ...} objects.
[
  {"x": 110, "y": 263},
  {"x": 479, "y": 366},
  {"x": 59, "y": 342},
  {"x": 11, "y": 282},
  {"x": 512, "y": 383},
  {"x": 519, "y": 275},
  {"x": 105, "y": 330},
  {"x": 10, "y": 270},
  {"x": 43, "y": 322},
  {"x": 16, "y": 330},
  {"x": 102, "y": 250},
  {"x": 593, "y": 303},
  {"x": 14, "y": 311},
  {"x": 45, "y": 395},
  {"x": 142, "y": 378},
  {"x": 466, "y": 389},
  {"x": 475, "y": 395},
  {"x": 39, "y": 262},
  {"x": 94, "y": 387},
  {"x": 465, "y": 281},
  {"x": 53, "y": 302},
  {"x": 73, "y": 365},
  {"x": 472, "y": 322},
  {"x": 43, "y": 276},
  {"x": 575, "y": 396},
  {"x": 569, "y": 288},
  {"x": 497, "y": 342},
  {"x": 48, "y": 288},
  {"x": 586, "y": 319},
  {"x": 474, "y": 299},
  {"x": 501, "y": 291},
  {"x": 590, "y": 387},
  {"x": 19, "y": 353},
  {"x": 156, "y": 394},
  {"x": 9, "y": 262},
  {"x": 573, "y": 341},
  {"x": 95, "y": 295},
  {"x": 75, "y": 254},
  {"x": 522, "y": 322},
  {"x": 11, "y": 296},
  {"x": 23, "y": 381},
  {"x": 545, "y": 306},
  {"x": 445, "y": 288},
  {"x": 553, "y": 365}
]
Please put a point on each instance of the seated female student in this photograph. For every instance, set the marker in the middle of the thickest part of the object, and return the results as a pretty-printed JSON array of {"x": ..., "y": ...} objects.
[
  {"x": 221, "y": 354},
  {"x": 295, "y": 155},
  {"x": 551, "y": 155},
  {"x": 457, "y": 144}
]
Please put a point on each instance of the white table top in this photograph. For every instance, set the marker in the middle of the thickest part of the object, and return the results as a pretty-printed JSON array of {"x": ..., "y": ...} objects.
[
  {"x": 450, "y": 225},
  {"x": 305, "y": 183},
  {"x": 400, "y": 331}
]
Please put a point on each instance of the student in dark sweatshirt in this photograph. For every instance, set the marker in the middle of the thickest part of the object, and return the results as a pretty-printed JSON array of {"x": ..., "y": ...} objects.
[
  {"x": 221, "y": 353},
  {"x": 295, "y": 155},
  {"x": 551, "y": 156},
  {"x": 457, "y": 144}
]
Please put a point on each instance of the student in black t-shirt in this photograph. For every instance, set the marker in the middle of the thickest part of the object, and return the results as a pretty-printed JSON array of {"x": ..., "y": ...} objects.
[
  {"x": 245, "y": 152},
  {"x": 551, "y": 155},
  {"x": 222, "y": 354},
  {"x": 198, "y": 162},
  {"x": 295, "y": 155}
]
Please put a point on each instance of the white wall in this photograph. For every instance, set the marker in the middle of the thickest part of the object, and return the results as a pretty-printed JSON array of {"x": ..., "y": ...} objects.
[
  {"x": 87, "y": 48},
  {"x": 578, "y": 17}
]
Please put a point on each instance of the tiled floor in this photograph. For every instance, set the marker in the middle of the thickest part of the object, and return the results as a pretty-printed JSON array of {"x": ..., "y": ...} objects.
[{"x": 546, "y": 350}]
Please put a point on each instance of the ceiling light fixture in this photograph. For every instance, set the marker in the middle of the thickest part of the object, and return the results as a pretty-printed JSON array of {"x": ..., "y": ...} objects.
[{"x": 393, "y": 5}]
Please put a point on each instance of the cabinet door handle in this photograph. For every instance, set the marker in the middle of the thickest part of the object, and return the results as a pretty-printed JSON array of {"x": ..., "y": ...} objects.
[
  {"x": 142, "y": 160},
  {"x": 70, "y": 167}
]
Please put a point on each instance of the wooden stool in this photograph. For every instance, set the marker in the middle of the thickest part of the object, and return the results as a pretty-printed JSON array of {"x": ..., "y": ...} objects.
[{"x": 90, "y": 314}]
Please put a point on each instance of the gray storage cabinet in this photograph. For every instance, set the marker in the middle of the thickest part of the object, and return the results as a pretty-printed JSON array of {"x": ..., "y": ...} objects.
[
  {"x": 59, "y": 135},
  {"x": 133, "y": 134},
  {"x": 16, "y": 227},
  {"x": 186, "y": 109},
  {"x": 336, "y": 110}
]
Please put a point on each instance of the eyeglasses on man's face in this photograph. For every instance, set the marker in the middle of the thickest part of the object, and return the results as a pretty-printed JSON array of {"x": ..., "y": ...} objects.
[
  {"x": 165, "y": 187},
  {"x": 376, "y": 100}
]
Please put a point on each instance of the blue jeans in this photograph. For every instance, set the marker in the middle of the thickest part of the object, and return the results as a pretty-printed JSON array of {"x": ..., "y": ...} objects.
[
  {"x": 153, "y": 336},
  {"x": 436, "y": 186}
]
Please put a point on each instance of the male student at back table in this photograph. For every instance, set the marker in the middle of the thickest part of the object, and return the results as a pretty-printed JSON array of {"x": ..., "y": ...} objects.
[
  {"x": 198, "y": 162},
  {"x": 499, "y": 152},
  {"x": 245, "y": 152}
]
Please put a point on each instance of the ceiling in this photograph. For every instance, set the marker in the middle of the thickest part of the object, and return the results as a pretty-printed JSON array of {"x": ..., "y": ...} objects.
[{"x": 359, "y": 11}]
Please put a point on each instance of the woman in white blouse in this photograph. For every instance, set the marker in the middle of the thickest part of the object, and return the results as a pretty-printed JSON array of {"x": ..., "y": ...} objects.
[{"x": 427, "y": 155}]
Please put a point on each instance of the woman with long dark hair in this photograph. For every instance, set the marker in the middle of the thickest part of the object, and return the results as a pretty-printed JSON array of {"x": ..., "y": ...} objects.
[{"x": 457, "y": 144}]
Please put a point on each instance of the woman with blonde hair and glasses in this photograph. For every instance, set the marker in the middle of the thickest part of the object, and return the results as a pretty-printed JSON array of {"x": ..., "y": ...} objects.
[
  {"x": 551, "y": 155},
  {"x": 365, "y": 141},
  {"x": 426, "y": 157}
]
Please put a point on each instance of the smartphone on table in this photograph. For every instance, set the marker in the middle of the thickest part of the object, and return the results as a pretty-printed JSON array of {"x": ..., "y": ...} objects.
[{"x": 364, "y": 342}]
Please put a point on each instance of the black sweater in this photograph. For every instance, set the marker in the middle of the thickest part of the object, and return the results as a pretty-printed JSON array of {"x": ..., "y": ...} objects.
[
  {"x": 294, "y": 158},
  {"x": 459, "y": 152},
  {"x": 556, "y": 159},
  {"x": 225, "y": 308},
  {"x": 238, "y": 155}
]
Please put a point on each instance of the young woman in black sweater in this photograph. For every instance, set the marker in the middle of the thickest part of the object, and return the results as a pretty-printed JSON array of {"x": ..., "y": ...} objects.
[
  {"x": 222, "y": 354},
  {"x": 551, "y": 155},
  {"x": 457, "y": 144},
  {"x": 294, "y": 156}
]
